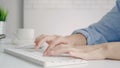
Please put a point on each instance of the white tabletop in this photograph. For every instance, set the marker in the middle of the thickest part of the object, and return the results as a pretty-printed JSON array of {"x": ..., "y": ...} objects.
[{"x": 8, "y": 61}]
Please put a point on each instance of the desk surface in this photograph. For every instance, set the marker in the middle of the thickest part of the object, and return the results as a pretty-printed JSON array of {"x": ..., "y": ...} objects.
[{"x": 8, "y": 61}]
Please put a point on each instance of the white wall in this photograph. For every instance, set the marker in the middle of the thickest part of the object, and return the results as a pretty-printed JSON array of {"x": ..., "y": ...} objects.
[
  {"x": 61, "y": 20},
  {"x": 15, "y": 15},
  {"x": 63, "y": 16}
]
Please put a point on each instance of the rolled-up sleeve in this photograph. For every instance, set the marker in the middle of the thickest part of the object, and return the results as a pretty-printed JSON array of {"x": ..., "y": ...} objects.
[{"x": 105, "y": 30}]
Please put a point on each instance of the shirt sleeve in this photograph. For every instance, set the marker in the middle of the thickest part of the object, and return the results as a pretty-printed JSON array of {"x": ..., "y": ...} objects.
[{"x": 105, "y": 30}]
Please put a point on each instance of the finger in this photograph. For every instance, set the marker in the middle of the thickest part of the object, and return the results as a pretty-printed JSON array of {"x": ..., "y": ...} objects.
[
  {"x": 44, "y": 39},
  {"x": 39, "y": 38},
  {"x": 49, "y": 38},
  {"x": 66, "y": 49},
  {"x": 54, "y": 43},
  {"x": 61, "y": 49}
]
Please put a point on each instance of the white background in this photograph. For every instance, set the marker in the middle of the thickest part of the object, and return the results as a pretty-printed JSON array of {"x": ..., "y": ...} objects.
[
  {"x": 62, "y": 17},
  {"x": 15, "y": 15}
]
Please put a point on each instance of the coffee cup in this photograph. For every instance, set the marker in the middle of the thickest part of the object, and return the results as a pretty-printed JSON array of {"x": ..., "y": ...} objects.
[{"x": 24, "y": 36}]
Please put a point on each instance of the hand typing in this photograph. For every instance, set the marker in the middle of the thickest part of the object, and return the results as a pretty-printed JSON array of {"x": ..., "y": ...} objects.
[{"x": 54, "y": 40}]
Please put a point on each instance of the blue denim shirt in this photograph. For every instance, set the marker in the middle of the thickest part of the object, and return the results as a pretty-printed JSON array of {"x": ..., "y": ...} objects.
[{"x": 105, "y": 30}]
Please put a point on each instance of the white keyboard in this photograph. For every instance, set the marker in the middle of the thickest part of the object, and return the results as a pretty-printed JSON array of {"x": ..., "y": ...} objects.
[{"x": 37, "y": 57}]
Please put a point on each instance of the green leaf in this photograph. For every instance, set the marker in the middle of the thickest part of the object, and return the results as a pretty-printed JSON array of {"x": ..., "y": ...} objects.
[{"x": 3, "y": 14}]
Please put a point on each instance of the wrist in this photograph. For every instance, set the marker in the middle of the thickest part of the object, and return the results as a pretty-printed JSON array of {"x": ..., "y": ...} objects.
[
  {"x": 78, "y": 39},
  {"x": 104, "y": 50}
]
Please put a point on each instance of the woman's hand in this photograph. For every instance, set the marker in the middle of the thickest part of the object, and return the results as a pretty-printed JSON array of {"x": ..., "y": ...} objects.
[
  {"x": 109, "y": 50},
  {"x": 54, "y": 40},
  {"x": 75, "y": 46},
  {"x": 84, "y": 52}
]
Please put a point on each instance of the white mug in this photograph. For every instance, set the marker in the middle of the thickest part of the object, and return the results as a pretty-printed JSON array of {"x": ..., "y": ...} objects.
[{"x": 24, "y": 36}]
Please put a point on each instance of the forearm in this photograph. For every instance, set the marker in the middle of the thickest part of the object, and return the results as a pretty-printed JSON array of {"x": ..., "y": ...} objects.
[
  {"x": 113, "y": 50},
  {"x": 109, "y": 50}
]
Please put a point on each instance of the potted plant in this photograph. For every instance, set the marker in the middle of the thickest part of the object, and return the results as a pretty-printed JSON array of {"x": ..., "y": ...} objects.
[{"x": 3, "y": 16}]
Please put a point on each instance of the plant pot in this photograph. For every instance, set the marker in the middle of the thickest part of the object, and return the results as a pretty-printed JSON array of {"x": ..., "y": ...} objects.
[{"x": 2, "y": 29}]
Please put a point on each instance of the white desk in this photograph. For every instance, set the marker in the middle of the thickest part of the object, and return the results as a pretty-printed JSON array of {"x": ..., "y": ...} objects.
[{"x": 8, "y": 61}]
